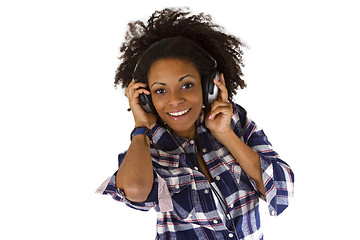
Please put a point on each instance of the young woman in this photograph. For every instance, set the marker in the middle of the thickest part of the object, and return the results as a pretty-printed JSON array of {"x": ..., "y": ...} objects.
[{"x": 194, "y": 155}]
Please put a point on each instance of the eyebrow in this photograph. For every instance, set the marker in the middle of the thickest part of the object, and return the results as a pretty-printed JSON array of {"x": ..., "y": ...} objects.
[{"x": 180, "y": 79}]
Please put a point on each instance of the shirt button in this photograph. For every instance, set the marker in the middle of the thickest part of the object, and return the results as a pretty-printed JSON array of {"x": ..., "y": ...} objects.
[
  {"x": 206, "y": 191},
  {"x": 204, "y": 150},
  {"x": 216, "y": 221},
  {"x": 192, "y": 141},
  {"x": 231, "y": 235},
  {"x": 177, "y": 186},
  {"x": 196, "y": 168},
  {"x": 272, "y": 213},
  {"x": 217, "y": 178}
]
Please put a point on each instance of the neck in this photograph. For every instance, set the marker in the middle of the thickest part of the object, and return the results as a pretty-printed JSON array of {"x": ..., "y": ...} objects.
[{"x": 190, "y": 133}]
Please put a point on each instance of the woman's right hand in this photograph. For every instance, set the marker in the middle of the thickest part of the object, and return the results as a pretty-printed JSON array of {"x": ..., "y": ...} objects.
[{"x": 141, "y": 117}]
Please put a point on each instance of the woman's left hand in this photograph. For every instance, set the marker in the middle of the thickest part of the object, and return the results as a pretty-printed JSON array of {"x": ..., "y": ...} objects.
[{"x": 218, "y": 119}]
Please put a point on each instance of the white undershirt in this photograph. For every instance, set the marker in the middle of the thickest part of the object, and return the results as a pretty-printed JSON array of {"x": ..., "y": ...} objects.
[{"x": 218, "y": 204}]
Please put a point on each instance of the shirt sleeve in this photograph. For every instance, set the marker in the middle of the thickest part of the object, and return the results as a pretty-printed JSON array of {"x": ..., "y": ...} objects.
[
  {"x": 109, "y": 187},
  {"x": 277, "y": 175}
]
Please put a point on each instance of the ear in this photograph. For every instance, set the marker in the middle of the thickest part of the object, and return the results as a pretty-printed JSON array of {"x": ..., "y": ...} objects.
[{"x": 202, "y": 115}]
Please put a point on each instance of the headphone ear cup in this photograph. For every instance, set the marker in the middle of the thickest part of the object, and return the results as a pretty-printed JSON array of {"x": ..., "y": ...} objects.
[
  {"x": 146, "y": 102},
  {"x": 210, "y": 90}
]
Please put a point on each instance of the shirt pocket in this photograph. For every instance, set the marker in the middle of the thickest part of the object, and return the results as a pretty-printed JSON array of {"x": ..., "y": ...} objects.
[
  {"x": 181, "y": 194},
  {"x": 238, "y": 173}
]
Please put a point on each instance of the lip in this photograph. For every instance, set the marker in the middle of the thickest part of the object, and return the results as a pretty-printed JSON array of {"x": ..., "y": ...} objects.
[{"x": 177, "y": 118}]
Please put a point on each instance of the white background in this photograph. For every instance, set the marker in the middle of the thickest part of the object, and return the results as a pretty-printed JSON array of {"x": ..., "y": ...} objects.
[{"x": 63, "y": 123}]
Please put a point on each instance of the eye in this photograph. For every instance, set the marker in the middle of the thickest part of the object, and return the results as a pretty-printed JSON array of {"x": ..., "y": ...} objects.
[
  {"x": 160, "y": 91},
  {"x": 187, "y": 86}
]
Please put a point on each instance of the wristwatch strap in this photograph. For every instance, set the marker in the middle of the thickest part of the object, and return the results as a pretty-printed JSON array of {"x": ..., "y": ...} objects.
[{"x": 140, "y": 130}]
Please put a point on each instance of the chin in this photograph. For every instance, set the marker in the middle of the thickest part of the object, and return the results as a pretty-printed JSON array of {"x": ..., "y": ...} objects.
[
  {"x": 182, "y": 128},
  {"x": 181, "y": 121}
]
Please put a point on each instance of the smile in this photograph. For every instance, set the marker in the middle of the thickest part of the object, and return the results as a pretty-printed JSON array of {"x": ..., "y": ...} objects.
[{"x": 177, "y": 114}]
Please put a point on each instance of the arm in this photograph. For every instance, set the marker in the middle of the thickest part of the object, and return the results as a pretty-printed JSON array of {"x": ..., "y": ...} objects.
[
  {"x": 218, "y": 122},
  {"x": 247, "y": 158},
  {"x": 135, "y": 176},
  {"x": 267, "y": 172},
  {"x": 277, "y": 175}
]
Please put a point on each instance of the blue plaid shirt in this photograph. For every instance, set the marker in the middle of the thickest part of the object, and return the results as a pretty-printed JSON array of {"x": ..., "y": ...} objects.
[{"x": 181, "y": 194}]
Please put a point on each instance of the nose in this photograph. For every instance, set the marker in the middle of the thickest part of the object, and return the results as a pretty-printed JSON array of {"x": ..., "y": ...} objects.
[{"x": 175, "y": 99}]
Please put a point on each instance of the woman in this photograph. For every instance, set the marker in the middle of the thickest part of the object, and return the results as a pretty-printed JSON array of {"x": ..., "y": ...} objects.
[{"x": 194, "y": 155}]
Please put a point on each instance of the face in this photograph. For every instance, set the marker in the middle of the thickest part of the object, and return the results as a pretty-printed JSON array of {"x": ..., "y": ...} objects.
[{"x": 175, "y": 87}]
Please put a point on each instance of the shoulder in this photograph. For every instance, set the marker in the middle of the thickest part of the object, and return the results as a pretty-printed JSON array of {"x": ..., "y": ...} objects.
[{"x": 239, "y": 116}]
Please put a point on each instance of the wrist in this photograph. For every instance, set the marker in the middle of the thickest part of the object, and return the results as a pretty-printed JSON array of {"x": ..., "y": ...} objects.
[
  {"x": 144, "y": 124},
  {"x": 140, "y": 130},
  {"x": 225, "y": 137}
]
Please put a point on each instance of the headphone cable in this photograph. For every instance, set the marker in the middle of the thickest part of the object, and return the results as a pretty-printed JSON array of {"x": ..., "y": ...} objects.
[{"x": 220, "y": 198}]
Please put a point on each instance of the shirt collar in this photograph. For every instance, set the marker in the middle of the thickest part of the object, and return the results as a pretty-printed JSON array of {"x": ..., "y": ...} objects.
[{"x": 172, "y": 143}]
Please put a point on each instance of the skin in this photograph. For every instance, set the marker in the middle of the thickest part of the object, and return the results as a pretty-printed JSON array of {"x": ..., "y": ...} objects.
[{"x": 175, "y": 87}]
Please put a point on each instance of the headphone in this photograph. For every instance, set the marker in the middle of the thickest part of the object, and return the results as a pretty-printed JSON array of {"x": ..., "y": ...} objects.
[
  {"x": 210, "y": 92},
  {"x": 209, "y": 89}
]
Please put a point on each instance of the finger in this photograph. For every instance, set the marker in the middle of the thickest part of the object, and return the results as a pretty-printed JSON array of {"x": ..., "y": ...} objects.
[
  {"x": 135, "y": 86},
  {"x": 139, "y": 91},
  {"x": 222, "y": 106},
  {"x": 134, "y": 100},
  {"x": 127, "y": 90},
  {"x": 223, "y": 96},
  {"x": 138, "y": 85},
  {"x": 220, "y": 110},
  {"x": 217, "y": 104},
  {"x": 131, "y": 83},
  {"x": 135, "y": 95}
]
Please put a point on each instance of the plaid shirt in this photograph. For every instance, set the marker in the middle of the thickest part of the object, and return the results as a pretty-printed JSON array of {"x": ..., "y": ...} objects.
[{"x": 181, "y": 194}]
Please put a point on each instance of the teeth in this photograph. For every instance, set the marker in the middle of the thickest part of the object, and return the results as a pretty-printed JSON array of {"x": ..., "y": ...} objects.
[{"x": 175, "y": 114}]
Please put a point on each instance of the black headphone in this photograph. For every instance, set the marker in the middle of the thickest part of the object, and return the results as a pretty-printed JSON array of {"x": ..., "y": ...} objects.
[{"x": 210, "y": 90}]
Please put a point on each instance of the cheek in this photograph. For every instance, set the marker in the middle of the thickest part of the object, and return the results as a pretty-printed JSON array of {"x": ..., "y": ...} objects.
[
  {"x": 197, "y": 98},
  {"x": 158, "y": 103}
]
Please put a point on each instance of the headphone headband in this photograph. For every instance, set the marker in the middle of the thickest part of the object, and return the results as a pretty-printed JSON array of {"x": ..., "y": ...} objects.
[
  {"x": 168, "y": 39},
  {"x": 210, "y": 90}
]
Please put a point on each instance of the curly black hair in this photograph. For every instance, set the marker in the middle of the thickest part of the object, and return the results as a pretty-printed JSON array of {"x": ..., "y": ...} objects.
[{"x": 177, "y": 22}]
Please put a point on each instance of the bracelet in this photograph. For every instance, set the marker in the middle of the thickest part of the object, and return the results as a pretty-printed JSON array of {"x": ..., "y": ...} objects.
[{"x": 141, "y": 130}]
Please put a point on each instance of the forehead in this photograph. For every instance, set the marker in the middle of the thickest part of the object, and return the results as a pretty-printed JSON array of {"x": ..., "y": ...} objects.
[{"x": 171, "y": 69}]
